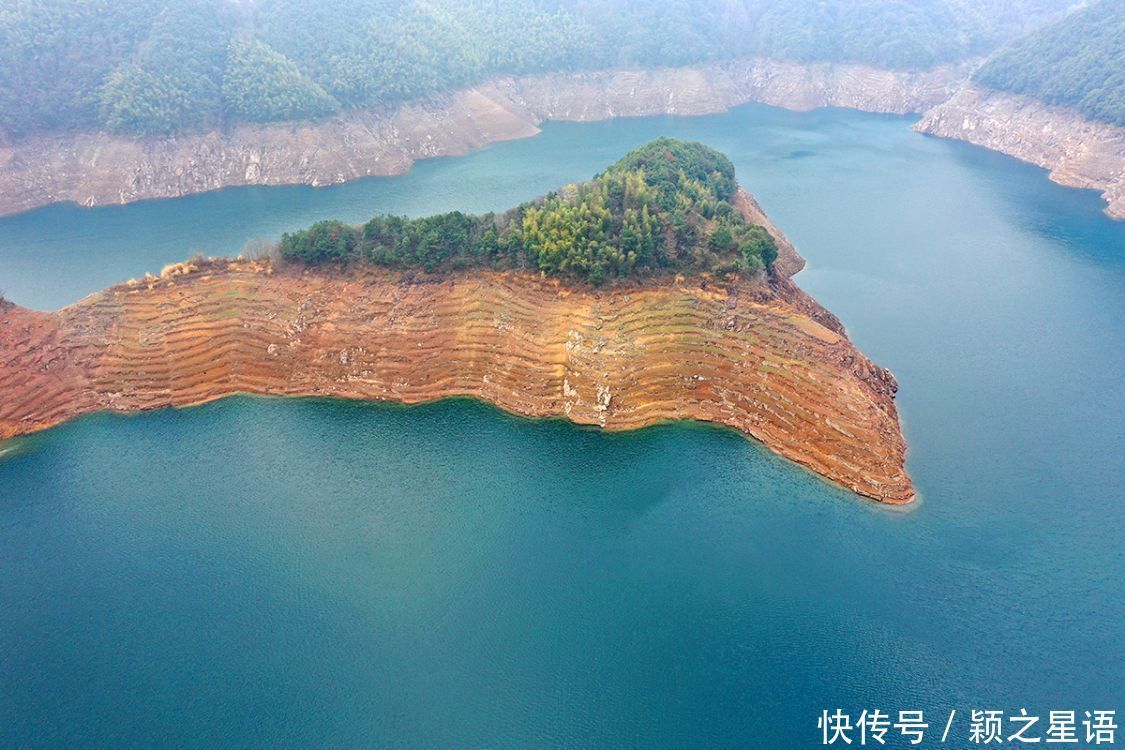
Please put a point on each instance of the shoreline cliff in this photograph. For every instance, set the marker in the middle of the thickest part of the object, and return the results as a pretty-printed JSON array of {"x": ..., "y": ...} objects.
[
  {"x": 94, "y": 169},
  {"x": 1076, "y": 151},
  {"x": 757, "y": 354}
]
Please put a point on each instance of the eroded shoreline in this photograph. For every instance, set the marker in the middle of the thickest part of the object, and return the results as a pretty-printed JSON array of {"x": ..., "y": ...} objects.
[
  {"x": 94, "y": 169},
  {"x": 1076, "y": 152}
]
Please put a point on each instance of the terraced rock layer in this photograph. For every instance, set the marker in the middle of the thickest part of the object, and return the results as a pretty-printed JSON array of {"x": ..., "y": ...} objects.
[
  {"x": 750, "y": 355},
  {"x": 98, "y": 168}
]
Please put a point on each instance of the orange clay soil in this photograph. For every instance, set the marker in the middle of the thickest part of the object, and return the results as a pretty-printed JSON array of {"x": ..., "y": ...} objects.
[{"x": 760, "y": 356}]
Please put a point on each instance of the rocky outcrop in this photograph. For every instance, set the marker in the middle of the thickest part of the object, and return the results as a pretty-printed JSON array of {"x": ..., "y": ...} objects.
[
  {"x": 1078, "y": 152},
  {"x": 96, "y": 169},
  {"x": 758, "y": 355}
]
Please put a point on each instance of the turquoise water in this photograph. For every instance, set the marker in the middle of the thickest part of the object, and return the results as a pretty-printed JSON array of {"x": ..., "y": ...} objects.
[{"x": 259, "y": 572}]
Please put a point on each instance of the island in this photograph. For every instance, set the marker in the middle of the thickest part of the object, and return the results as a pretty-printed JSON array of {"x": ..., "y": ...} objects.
[{"x": 658, "y": 290}]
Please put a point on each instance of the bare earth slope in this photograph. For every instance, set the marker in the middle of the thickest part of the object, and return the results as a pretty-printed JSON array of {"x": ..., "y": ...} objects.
[
  {"x": 1078, "y": 152},
  {"x": 760, "y": 356},
  {"x": 95, "y": 169}
]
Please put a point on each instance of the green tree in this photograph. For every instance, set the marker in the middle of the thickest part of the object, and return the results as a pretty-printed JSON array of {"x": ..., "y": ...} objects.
[
  {"x": 1077, "y": 62},
  {"x": 262, "y": 85},
  {"x": 323, "y": 242},
  {"x": 174, "y": 82},
  {"x": 615, "y": 226}
]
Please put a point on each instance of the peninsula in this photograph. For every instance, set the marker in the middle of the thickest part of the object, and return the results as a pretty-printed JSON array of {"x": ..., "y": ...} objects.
[{"x": 659, "y": 290}]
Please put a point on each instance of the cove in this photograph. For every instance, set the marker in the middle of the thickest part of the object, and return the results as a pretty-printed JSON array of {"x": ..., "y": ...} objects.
[{"x": 325, "y": 573}]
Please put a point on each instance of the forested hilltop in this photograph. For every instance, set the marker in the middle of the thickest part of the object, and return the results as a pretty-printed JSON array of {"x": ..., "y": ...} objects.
[
  {"x": 161, "y": 67},
  {"x": 666, "y": 207},
  {"x": 1077, "y": 62}
]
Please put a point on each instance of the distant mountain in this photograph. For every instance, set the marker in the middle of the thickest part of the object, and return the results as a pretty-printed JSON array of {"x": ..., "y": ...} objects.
[
  {"x": 1078, "y": 62},
  {"x": 168, "y": 66}
]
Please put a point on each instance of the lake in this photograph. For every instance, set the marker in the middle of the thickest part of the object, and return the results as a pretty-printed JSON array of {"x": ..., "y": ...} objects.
[{"x": 264, "y": 572}]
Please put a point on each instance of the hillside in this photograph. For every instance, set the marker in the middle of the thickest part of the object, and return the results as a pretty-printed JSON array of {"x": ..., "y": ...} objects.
[
  {"x": 1078, "y": 62},
  {"x": 161, "y": 67}
]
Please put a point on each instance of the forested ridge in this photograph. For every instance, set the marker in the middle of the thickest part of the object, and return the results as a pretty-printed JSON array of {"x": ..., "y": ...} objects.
[
  {"x": 168, "y": 66},
  {"x": 664, "y": 208},
  {"x": 1078, "y": 62}
]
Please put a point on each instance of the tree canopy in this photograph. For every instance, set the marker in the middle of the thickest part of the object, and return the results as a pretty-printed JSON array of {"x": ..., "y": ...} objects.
[
  {"x": 1078, "y": 62},
  {"x": 664, "y": 208},
  {"x": 262, "y": 85}
]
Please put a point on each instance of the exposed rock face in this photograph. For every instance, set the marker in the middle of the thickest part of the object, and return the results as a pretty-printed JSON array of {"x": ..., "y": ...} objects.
[
  {"x": 751, "y": 354},
  {"x": 1078, "y": 152},
  {"x": 716, "y": 88},
  {"x": 95, "y": 169}
]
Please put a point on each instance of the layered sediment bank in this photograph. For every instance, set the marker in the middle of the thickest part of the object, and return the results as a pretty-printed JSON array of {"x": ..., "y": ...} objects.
[
  {"x": 758, "y": 355},
  {"x": 1078, "y": 152},
  {"x": 97, "y": 169}
]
